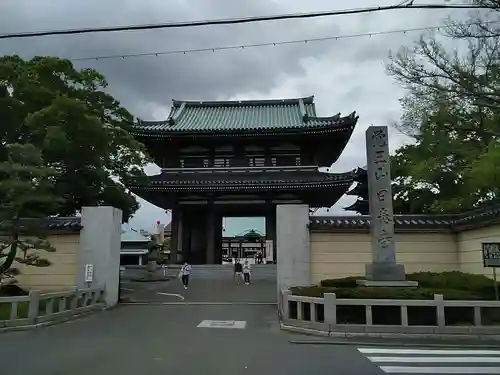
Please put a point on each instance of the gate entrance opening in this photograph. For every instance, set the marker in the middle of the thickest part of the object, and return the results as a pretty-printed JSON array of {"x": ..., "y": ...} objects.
[{"x": 244, "y": 238}]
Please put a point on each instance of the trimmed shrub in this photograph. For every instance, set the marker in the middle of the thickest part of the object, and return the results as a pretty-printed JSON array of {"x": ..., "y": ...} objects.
[
  {"x": 386, "y": 293},
  {"x": 12, "y": 290},
  {"x": 346, "y": 282},
  {"x": 455, "y": 280},
  {"x": 477, "y": 285}
]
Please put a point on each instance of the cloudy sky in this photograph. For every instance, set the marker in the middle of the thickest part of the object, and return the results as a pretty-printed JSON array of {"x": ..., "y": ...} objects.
[{"x": 344, "y": 75}]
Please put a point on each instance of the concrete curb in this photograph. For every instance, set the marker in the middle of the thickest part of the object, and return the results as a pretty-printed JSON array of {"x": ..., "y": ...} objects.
[
  {"x": 392, "y": 336},
  {"x": 30, "y": 327}
]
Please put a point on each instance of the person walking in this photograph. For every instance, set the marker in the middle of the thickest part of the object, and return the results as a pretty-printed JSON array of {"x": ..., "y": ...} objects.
[
  {"x": 238, "y": 271},
  {"x": 246, "y": 272},
  {"x": 185, "y": 273}
]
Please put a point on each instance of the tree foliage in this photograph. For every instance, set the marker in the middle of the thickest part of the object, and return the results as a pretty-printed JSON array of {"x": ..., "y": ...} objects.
[
  {"x": 25, "y": 199},
  {"x": 452, "y": 110},
  {"x": 80, "y": 130}
]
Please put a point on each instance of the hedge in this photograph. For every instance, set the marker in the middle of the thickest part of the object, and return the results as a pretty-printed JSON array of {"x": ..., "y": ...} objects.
[
  {"x": 386, "y": 293},
  {"x": 455, "y": 285}
]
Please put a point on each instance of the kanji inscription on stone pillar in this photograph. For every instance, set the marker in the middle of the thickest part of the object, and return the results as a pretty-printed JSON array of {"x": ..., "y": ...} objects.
[{"x": 383, "y": 267}]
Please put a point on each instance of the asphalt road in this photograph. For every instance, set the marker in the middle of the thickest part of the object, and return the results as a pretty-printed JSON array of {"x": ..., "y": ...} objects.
[
  {"x": 158, "y": 339},
  {"x": 166, "y": 339}
]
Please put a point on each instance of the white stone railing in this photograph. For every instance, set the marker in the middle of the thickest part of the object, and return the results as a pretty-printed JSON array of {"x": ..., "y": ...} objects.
[
  {"x": 321, "y": 314},
  {"x": 37, "y": 309}
]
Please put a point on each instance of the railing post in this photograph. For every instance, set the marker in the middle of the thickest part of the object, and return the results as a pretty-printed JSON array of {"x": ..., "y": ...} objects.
[
  {"x": 300, "y": 306},
  {"x": 62, "y": 304},
  {"x": 74, "y": 300},
  {"x": 439, "y": 303},
  {"x": 49, "y": 306},
  {"x": 330, "y": 308},
  {"x": 404, "y": 315},
  {"x": 314, "y": 318},
  {"x": 477, "y": 316},
  {"x": 286, "y": 304},
  {"x": 13, "y": 310},
  {"x": 34, "y": 306},
  {"x": 86, "y": 298},
  {"x": 368, "y": 315},
  {"x": 95, "y": 296}
]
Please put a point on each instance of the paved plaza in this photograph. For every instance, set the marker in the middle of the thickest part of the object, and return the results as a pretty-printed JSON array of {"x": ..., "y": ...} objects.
[{"x": 202, "y": 291}]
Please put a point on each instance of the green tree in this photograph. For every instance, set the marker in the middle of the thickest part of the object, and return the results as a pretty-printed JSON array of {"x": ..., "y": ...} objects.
[
  {"x": 452, "y": 111},
  {"x": 25, "y": 199},
  {"x": 81, "y": 131}
]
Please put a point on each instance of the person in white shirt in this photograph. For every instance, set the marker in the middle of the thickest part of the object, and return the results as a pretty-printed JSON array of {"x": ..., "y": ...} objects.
[
  {"x": 246, "y": 272},
  {"x": 184, "y": 274}
]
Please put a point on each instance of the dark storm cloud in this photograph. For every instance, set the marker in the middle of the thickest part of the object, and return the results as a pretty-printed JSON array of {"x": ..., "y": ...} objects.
[
  {"x": 146, "y": 82},
  {"x": 156, "y": 80}
]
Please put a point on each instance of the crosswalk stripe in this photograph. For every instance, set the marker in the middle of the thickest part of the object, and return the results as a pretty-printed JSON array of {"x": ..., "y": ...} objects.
[
  {"x": 435, "y": 359},
  {"x": 440, "y": 370},
  {"x": 427, "y": 351}
]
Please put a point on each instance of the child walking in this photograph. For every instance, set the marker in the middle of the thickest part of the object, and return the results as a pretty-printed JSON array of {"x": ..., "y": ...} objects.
[{"x": 184, "y": 274}]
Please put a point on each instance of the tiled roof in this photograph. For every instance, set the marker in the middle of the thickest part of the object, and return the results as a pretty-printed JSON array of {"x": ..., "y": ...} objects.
[
  {"x": 252, "y": 233},
  {"x": 267, "y": 179},
  {"x": 133, "y": 236},
  {"x": 487, "y": 214},
  {"x": 401, "y": 222},
  {"x": 243, "y": 116},
  {"x": 454, "y": 222},
  {"x": 168, "y": 227},
  {"x": 361, "y": 206},
  {"x": 72, "y": 223}
]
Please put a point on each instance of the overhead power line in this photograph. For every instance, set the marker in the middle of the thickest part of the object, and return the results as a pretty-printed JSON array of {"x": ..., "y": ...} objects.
[
  {"x": 232, "y": 21},
  {"x": 255, "y": 45}
]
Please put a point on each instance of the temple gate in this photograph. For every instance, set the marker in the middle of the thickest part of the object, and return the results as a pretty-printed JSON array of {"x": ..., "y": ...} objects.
[{"x": 240, "y": 158}]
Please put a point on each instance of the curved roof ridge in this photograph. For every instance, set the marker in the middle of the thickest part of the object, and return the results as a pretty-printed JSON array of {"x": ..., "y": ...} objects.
[{"x": 224, "y": 103}]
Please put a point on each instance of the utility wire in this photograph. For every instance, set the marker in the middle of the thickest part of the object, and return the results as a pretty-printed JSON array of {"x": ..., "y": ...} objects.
[
  {"x": 232, "y": 21},
  {"x": 255, "y": 45}
]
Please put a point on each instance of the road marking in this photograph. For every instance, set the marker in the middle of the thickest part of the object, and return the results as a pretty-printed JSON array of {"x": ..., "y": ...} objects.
[
  {"x": 433, "y": 361},
  {"x": 440, "y": 370},
  {"x": 171, "y": 294},
  {"x": 428, "y": 351},
  {"x": 127, "y": 289},
  {"x": 238, "y": 324}
]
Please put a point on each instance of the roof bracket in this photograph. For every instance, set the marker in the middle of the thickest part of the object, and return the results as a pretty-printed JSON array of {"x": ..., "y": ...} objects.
[
  {"x": 302, "y": 108},
  {"x": 175, "y": 116}
]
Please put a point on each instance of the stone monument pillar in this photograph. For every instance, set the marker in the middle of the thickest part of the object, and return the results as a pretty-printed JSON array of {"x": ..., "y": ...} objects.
[{"x": 383, "y": 269}]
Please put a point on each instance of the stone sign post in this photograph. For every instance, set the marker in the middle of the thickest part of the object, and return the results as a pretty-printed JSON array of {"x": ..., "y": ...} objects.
[{"x": 383, "y": 270}]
